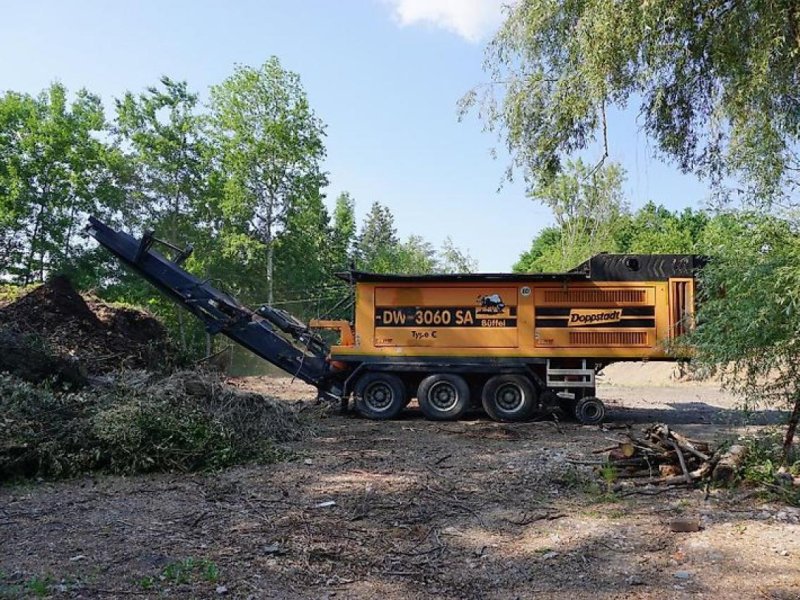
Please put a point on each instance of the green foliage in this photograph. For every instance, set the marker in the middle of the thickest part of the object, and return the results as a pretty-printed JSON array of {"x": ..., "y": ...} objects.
[
  {"x": 190, "y": 569},
  {"x": 270, "y": 148},
  {"x": 188, "y": 421},
  {"x": 183, "y": 572},
  {"x": 35, "y": 587},
  {"x": 656, "y": 230},
  {"x": 54, "y": 170},
  {"x": 172, "y": 176},
  {"x": 650, "y": 230},
  {"x": 609, "y": 475},
  {"x": 379, "y": 250},
  {"x": 587, "y": 204},
  {"x": 10, "y": 293},
  {"x": 452, "y": 259},
  {"x": 715, "y": 83},
  {"x": 543, "y": 255},
  {"x": 344, "y": 231},
  {"x": 377, "y": 242},
  {"x": 169, "y": 153},
  {"x": 750, "y": 308},
  {"x": 766, "y": 466},
  {"x": 750, "y": 312}
]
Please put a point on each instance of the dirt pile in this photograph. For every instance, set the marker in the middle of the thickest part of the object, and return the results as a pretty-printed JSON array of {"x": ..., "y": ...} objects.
[{"x": 98, "y": 336}]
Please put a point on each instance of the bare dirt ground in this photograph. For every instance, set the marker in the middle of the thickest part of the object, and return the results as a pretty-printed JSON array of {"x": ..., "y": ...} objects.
[{"x": 409, "y": 509}]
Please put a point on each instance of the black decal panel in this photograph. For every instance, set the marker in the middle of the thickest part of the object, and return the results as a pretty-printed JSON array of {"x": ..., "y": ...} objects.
[{"x": 444, "y": 316}]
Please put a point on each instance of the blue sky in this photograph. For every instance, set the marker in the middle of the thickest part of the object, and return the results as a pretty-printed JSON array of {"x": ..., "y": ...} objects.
[{"x": 384, "y": 75}]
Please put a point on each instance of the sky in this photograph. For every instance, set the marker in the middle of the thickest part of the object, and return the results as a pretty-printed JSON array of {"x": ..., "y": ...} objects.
[{"x": 384, "y": 75}]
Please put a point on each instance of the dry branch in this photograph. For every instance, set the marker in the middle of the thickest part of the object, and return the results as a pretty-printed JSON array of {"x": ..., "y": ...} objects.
[{"x": 676, "y": 459}]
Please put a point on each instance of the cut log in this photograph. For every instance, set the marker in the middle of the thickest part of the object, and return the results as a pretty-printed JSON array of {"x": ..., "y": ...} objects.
[
  {"x": 684, "y": 524},
  {"x": 729, "y": 464},
  {"x": 668, "y": 470}
]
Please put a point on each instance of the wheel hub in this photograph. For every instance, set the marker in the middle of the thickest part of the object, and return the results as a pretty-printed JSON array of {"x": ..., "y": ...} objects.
[
  {"x": 378, "y": 396},
  {"x": 509, "y": 397},
  {"x": 443, "y": 396}
]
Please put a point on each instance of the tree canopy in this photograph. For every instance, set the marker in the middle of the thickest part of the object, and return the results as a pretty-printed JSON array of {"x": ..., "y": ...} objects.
[
  {"x": 270, "y": 151},
  {"x": 240, "y": 178},
  {"x": 715, "y": 84}
]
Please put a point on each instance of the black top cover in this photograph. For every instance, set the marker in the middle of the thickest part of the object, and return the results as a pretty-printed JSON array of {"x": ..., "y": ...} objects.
[{"x": 601, "y": 267}]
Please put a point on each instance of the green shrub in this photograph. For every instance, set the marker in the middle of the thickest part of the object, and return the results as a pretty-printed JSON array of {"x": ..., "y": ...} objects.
[{"x": 763, "y": 466}]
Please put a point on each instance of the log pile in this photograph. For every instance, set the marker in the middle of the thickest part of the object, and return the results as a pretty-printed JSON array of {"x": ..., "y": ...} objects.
[{"x": 665, "y": 457}]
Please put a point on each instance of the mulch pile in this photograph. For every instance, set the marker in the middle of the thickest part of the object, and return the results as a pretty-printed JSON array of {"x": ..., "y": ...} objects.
[{"x": 97, "y": 336}]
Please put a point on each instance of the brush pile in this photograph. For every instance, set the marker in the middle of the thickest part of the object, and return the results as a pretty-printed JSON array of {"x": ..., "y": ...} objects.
[
  {"x": 140, "y": 422},
  {"x": 90, "y": 386},
  {"x": 665, "y": 457}
]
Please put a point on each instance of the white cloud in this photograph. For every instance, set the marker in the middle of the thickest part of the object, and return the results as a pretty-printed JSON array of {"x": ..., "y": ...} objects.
[{"x": 471, "y": 19}]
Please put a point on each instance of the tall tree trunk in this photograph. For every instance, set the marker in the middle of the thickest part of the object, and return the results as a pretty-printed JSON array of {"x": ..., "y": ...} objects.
[
  {"x": 32, "y": 253},
  {"x": 270, "y": 286},
  {"x": 791, "y": 428},
  {"x": 70, "y": 229},
  {"x": 270, "y": 251},
  {"x": 173, "y": 232}
]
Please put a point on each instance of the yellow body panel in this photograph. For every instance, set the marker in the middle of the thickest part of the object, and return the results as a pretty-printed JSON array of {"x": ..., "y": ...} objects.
[{"x": 582, "y": 319}]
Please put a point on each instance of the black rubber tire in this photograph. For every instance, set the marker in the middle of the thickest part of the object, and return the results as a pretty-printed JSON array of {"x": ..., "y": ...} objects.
[
  {"x": 509, "y": 398},
  {"x": 443, "y": 397},
  {"x": 380, "y": 396},
  {"x": 590, "y": 411}
]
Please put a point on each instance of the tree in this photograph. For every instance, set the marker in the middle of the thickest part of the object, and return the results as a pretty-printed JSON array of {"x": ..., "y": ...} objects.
[
  {"x": 415, "y": 256},
  {"x": 55, "y": 170},
  {"x": 750, "y": 311},
  {"x": 344, "y": 231},
  {"x": 378, "y": 249},
  {"x": 170, "y": 157},
  {"x": 652, "y": 229},
  {"x": 545, "y": 250},
  {"x": 715, "y": 83},
  {"x": 454, "y": 260},
  {"x": 655, "y": 230},
  {"x": 303, "y": 266},
  {"x": 377, "y": 243},
  {"x": 585, "y": 203},
  {"x": 169, "y": 152},
  {"x": 270, "y": 145}
]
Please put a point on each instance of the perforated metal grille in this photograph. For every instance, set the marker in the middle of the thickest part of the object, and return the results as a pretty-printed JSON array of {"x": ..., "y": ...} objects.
[
  {"x": 608, "y": 338},
  {"x": 619, "y": 296}
]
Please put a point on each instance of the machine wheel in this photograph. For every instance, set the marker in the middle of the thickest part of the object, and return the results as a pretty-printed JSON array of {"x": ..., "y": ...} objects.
[
  {"x": 380, "y": 396},
  {"x": 443, "y": 397},
  {"x": 590, "y": 411},
  {"x": 509, "y": 398}
]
